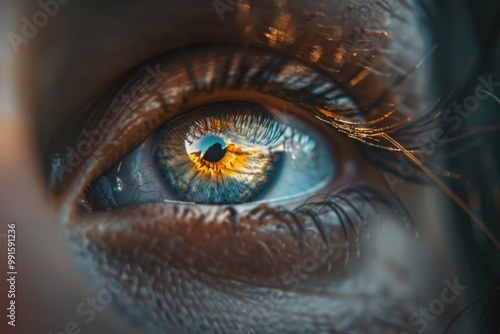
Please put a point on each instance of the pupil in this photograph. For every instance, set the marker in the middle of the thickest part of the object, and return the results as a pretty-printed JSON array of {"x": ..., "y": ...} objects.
[{"x": 214, "y": 153}]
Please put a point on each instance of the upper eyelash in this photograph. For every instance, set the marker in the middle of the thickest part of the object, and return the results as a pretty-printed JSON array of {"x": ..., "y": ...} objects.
[
  {"x": 314, "y": 94},
  {"x": 107, "y": 108},
  {"x": 288, "y": 52},
  {"x": 319, "y": 93}
]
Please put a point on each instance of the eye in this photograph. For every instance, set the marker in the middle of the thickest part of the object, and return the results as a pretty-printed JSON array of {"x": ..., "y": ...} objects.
[
  {"x": 222, "y": 153},
  {"x": 197, "y": 139}
]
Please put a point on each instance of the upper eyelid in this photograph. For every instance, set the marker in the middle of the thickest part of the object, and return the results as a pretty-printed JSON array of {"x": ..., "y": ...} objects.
[
  {"x": 375, "y": 78},
  {"x": 122, "y": 116},
  {"x": 62, "y": 109},
  {"x": 161, "y": 116}
]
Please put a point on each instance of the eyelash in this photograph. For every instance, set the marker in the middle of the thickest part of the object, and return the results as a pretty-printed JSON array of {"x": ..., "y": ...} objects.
[
  {"x": 119, "y": 113},
  {"x": 317, "y": 93}
]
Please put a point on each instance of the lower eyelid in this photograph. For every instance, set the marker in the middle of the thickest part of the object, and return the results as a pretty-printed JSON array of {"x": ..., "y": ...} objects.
[{"x": 225, "y": 242}]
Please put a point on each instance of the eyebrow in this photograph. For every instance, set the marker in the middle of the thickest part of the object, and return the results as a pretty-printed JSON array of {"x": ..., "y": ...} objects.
[{"x": 79, "y": 54}]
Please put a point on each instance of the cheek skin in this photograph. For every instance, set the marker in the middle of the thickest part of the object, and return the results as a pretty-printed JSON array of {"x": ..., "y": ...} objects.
[{"x": 188, "y": 268}]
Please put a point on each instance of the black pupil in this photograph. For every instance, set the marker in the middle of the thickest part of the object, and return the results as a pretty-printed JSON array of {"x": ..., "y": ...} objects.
[{"x": 214, "y": 153}]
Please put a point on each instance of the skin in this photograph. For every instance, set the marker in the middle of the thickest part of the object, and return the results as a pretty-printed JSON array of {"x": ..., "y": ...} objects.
[{"x": 53, "y": 77}]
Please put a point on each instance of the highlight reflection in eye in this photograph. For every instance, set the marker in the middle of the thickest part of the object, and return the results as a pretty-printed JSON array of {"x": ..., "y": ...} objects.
[{"x": 223, "y": 153}]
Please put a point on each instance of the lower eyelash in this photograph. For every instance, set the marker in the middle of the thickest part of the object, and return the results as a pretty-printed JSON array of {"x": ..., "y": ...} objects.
[
  {"x": 333, "y": 223},
  {"x": 339, "y": 203},
  {"x": 317, "y": 213}
]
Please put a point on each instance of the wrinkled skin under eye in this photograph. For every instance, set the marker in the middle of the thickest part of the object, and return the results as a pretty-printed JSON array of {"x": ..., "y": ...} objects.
[{"x": 222, "y": 153}]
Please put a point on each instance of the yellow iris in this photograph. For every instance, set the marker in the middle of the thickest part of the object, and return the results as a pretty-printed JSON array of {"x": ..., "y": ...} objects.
[
  {"x": 220, "y": 157},
  {"x": 234, "y": 163},
  {"x": 234, "y": 160}
]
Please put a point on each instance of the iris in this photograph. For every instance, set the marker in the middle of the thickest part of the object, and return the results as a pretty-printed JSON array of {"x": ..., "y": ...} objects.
[
  {"x": 227, "y": 154},
  {"x": 220, "y": 153}
]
